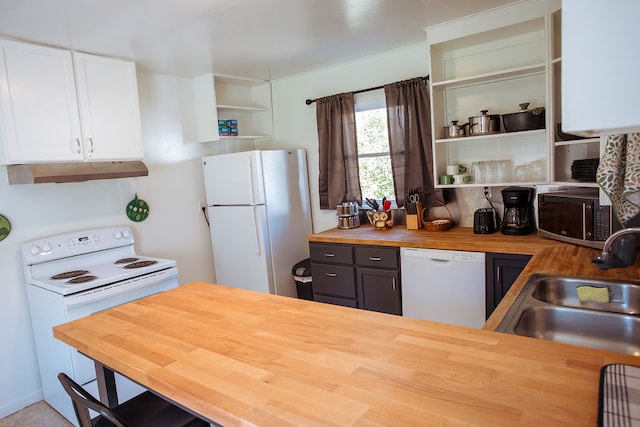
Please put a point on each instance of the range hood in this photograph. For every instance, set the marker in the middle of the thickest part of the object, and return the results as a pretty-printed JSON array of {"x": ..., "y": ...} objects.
[{"x": 37, "y": 173}]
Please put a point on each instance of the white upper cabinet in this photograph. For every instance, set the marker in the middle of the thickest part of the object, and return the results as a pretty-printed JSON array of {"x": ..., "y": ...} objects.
[
  {"x": 39, "y": 109},
  {"x": 222, "y": 97},
  {"x": 51, "y": 111},
  {"x": 109, "y": 110},
  {"x": 493, "y": 61},
  {"x": 600, "y": 62},
  {"x": 567, "y": 148},
  {"x": 204, "y": 96}
]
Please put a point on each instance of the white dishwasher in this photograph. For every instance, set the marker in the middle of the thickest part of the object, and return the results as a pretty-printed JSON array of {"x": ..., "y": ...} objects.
[{"x": 443, "y": 286}]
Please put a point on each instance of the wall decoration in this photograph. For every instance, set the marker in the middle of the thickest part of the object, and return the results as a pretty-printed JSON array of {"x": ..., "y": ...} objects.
[
  {"x": 137, "y": 210},
  {"x": 5, "y": 227}
]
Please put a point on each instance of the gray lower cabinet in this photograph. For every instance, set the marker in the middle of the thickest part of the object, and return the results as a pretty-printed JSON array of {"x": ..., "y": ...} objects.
[
  {"x": 378, "y": 278},
  {"x": 366, "y": 277},
  {"x": 501, "y": 271},
  {"x": 333, "y": 273}
]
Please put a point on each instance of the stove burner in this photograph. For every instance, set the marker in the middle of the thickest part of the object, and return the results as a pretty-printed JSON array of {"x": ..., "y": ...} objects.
[
  {"x": 125, "y": 260},
  {"x": 81, "y": 279},
  {"x": 69, "y": 274},
  {"x": 140, "y": 264}
]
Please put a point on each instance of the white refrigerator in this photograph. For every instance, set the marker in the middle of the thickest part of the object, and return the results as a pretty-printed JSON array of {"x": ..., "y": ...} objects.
[{"x": 260, "y": 217}]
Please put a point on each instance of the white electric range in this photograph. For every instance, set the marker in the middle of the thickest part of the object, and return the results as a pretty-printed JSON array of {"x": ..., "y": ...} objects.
[{"x": 72, "y": 275}]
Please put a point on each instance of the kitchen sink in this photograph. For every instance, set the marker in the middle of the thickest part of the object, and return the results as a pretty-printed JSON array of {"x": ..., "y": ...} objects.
[
  {"x": 624, "y": 297},
  {"x": 549, "y": 308},
  {"x": 587, "y": 328}
]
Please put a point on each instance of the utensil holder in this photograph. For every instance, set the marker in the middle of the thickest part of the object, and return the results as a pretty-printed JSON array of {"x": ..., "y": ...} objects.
[{"x": 414, "y": 221}]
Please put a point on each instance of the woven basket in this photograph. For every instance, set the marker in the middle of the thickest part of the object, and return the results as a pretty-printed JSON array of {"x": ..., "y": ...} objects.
[{"x": 436, "y": 223}]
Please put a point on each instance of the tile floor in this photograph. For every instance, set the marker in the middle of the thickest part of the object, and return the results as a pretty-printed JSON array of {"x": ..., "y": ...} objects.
[{"x": 37, "y": 415}]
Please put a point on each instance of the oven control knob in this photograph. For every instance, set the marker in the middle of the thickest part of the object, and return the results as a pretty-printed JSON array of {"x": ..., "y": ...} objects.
[
  {"x": 35, "y": 250},
  {"x": 46, "y": 247},
  {"x": 125, "y": 234},
  {"x": 117, "y": 234}
]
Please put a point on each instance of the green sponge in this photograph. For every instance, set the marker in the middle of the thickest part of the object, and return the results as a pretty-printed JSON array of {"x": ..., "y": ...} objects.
[{"x": 591, "y": 293}]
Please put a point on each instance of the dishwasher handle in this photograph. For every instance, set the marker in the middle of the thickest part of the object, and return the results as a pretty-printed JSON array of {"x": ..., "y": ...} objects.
[
  {"x": 438, "y": 256},
  {"x": 440, "y": 263}
]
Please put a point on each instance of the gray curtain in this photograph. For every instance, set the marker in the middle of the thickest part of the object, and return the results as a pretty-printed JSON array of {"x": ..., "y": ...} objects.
[
  {"x": 409, "y": 120},
  {"x": 338, "y": 151}
]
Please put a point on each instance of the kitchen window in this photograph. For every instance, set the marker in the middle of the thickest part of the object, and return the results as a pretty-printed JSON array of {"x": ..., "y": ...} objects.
[{"x": 374, "y": 159}]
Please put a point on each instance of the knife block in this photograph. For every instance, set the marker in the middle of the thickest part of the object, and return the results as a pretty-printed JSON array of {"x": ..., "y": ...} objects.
[{"x": 414, "y": 221}]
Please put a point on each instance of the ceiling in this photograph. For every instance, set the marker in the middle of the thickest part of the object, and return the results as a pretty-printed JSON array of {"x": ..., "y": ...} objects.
[{"x": 265, "y": 39}]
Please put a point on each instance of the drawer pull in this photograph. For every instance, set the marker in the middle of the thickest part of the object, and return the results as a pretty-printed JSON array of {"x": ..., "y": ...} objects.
[
  {"x": 394, "y": 284},
  {"x": 330, "y": 255},
  {"x": 331, "y": 274},
  {"x": 375, "y": 258}
]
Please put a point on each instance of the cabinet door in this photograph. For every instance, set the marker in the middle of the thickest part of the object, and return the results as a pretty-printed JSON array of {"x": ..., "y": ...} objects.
[
  {"x": 331, "y": 253},
  {"x": 204, "y": 96},
  {"x": 502, "y": 270},
  {"x": 38, "y": 104},
  {"x": 379, "y": 290},
  {"x": 336, "y": 280},
  {"x": 109, "y": 110},
  {"x": 600, "y": 83},
  {"x": 377, "y": 257}
]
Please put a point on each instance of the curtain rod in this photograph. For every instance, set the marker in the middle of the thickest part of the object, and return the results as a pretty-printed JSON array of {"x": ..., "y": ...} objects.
[{"x": 311, "y": 101}]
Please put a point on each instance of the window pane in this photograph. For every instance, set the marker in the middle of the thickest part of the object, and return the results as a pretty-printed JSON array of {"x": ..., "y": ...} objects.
[
  {"x": 375, "y": 177},
  {"x": 372, "y": 131},
  {"x": 376, "y": 180}
]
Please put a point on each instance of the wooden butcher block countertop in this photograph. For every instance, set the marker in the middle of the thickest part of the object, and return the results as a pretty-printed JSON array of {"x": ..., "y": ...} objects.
[
  {"x": 244, "y": 358},
  {"x": 549, "y": 256}
]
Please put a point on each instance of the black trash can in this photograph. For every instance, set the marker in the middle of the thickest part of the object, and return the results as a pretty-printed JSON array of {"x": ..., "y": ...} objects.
[{"x": 302, "y": 275}]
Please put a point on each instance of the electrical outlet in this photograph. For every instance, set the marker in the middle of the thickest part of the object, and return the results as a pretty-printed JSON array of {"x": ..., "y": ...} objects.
[{"x": 487, "y": 192}]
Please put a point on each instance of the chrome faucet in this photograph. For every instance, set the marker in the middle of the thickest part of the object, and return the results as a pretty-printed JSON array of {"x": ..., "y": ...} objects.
[{"x": 626, "y": 249}]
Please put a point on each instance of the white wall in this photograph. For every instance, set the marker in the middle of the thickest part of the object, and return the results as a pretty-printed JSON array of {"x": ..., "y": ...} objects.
[
  {"x": 175, "y": 228},
  {"x": 36, "y": 211}
]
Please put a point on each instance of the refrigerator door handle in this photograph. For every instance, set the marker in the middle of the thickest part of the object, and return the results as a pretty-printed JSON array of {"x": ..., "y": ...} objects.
[
  {"x": 251, "y": 189},
  {"x": 255, "y": 224}
]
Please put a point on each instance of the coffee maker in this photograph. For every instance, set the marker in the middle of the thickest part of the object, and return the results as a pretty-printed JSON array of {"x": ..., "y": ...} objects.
[{"x": 518, "y": 212}]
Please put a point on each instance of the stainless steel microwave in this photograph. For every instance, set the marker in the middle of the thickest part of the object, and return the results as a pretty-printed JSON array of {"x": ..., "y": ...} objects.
[{"x": 576, "y": 216}]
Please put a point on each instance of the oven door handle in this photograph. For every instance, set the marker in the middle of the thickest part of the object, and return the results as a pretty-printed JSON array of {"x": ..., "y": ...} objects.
[{"x": 94, "y": 296}]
